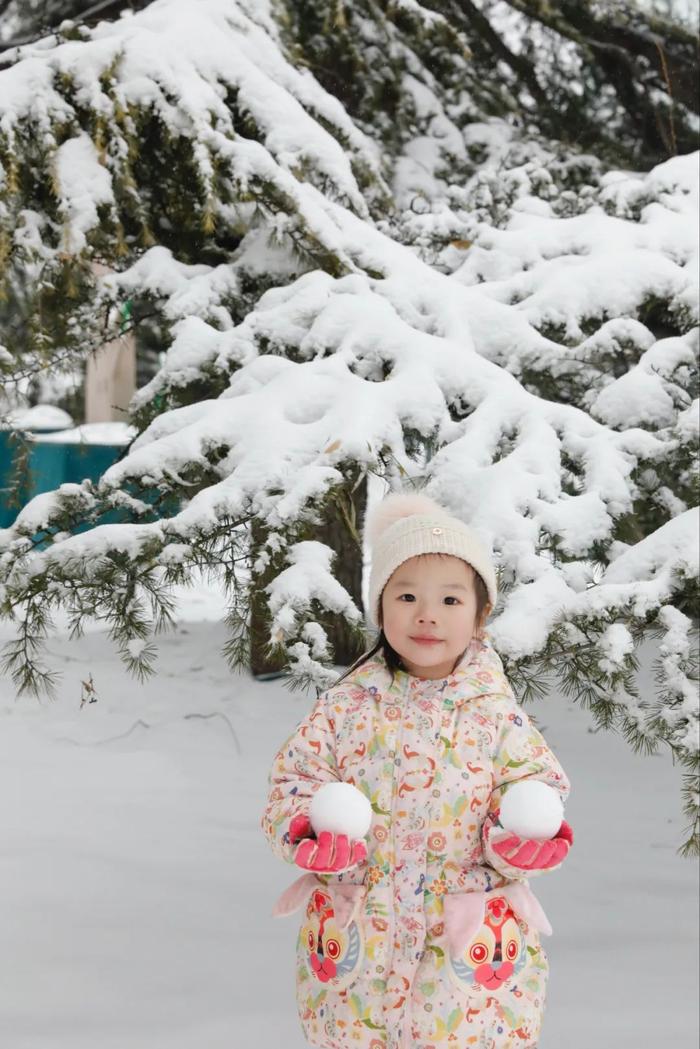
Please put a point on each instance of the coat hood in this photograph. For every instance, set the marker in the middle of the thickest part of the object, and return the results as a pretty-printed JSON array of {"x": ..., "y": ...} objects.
[{"x": 478, "y": 673}]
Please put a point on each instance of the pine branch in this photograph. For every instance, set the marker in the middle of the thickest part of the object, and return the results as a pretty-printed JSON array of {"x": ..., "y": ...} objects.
[
  {"x": 103, "y": 9},
  {"x": 670, "y": 53}
]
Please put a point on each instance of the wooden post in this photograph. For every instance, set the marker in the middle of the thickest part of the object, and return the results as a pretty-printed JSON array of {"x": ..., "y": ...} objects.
[
  {"x": 110, "y": 376},
  {"x": 110, "y": 380}
]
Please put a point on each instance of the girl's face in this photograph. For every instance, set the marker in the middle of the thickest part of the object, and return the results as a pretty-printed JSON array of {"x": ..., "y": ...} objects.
[{"x": 429, "y": 613}]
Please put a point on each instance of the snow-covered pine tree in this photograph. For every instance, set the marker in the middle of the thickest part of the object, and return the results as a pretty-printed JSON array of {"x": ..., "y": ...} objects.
[{"x": 378, "y": 238}]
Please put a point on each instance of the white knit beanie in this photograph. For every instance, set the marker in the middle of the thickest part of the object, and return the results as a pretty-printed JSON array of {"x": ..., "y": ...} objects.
[{"x": 404, "y": 526}]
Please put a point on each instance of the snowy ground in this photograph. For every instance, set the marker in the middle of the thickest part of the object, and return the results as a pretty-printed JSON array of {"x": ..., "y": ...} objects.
[{"x": 136, "y": 886}]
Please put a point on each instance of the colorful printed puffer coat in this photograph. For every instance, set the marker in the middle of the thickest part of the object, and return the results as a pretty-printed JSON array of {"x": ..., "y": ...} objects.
[{"x": 434, "y": 941}]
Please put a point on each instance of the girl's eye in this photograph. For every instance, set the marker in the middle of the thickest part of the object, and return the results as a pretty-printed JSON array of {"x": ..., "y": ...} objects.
[
  {"x": 453, "y": 600},
  {"x": 409, "y": 596}
]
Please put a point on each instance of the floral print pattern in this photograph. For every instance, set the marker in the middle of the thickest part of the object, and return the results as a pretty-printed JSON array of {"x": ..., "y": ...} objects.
[{"x": 434, "y": 758}]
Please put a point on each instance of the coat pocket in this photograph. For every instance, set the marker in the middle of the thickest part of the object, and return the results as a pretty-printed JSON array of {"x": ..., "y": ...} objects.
[
  {"x": 330, "y": 947},
  {"x": 331, "y": 941},
  {"x": 494, "y": 952}
]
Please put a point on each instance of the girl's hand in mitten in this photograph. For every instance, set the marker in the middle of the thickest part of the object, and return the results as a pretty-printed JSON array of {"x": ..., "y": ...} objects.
[
  {"x": 327, "y": 854},
  {"x": 300, "y": 827},
  {"x": 531, "y": 855}
]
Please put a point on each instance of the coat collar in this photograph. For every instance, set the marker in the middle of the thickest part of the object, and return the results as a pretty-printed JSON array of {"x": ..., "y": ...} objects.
[{"x": 479, "y": 672}]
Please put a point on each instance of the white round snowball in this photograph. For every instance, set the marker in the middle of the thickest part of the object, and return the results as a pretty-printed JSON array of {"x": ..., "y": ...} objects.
[
  {"x": 341, "y": 809},
  {"x": 532, "y": 810}
]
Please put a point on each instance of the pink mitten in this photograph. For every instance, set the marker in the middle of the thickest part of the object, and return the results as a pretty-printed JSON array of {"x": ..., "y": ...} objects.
[
  {"x": 329, "y": 853},
  {"x": 300, "y": 827},
  {"x": 531, "y": 855}
]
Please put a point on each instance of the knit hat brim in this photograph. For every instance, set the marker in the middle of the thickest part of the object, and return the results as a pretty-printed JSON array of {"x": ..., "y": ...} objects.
[{"x": 405, "y": 526}]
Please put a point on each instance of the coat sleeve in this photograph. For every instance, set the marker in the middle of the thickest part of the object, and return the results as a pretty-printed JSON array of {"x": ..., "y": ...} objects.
[
  {"x": 520, "y": 753},
  {"x": 301, "y": 766}
]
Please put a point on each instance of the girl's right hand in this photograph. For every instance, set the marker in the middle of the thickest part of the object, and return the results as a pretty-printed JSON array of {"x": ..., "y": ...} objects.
[{"x": 327, "y": 854}]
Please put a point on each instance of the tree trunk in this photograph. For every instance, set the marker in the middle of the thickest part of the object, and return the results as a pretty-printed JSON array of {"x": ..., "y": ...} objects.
[
  {"x": 348, "y": 571},
  {"x": 340, "y": 532},
  {"x": 263, "y": 662}
]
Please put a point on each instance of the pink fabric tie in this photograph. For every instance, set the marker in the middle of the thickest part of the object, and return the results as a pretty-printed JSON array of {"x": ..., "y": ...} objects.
[
  {"x": 345, "y": 898},
  {"x": 464, "y": 913}
]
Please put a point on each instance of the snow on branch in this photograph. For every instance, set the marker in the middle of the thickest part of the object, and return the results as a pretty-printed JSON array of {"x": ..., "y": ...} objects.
[
  {"x": 308, "y": 579},
  {"x": 179, "y": 61},
  {"x": 202, "y": 100},
  {"x": 543, "y": 482}
]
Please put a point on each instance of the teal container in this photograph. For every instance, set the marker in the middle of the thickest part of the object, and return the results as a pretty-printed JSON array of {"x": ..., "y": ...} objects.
[
  {"x": 55, "y": 462},
  {"x": 41, "y": 474},
  {"x": 46, "y": 469},
  {"x": 8, "y": 512},
  {"x": 89, "y": 461},
  {"x": 49, "y": 464}
]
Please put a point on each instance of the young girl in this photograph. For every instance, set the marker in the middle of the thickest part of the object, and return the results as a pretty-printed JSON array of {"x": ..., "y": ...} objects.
[{"x": 427, "y": 933}]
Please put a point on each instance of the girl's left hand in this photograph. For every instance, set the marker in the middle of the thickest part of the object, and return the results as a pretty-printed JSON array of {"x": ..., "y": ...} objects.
[
  {"x": 329, "y": 854},
  {"x": 531, "y": 855}
]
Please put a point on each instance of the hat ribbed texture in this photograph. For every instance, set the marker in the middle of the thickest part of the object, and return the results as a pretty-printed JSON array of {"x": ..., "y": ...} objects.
[{"x": 404, "y": 526}]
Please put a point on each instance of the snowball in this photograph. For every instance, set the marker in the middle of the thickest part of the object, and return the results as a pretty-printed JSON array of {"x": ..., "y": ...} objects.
[
  {"x": 532, "y": 810},
  {"x": 341, "y": 809}
]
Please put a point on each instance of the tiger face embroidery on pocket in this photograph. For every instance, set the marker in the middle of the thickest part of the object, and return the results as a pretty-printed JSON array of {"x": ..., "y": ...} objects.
[
  {"x": 496, "y": 953},
  {"x": 333, "y": 954}
]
